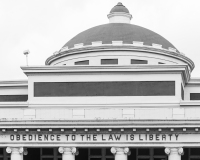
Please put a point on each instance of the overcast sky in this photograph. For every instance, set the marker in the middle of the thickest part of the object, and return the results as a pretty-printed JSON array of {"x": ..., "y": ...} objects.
[{"x": 44, "y": 26}]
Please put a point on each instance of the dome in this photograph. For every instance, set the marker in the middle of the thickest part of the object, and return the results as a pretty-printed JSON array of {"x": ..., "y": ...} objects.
[
  {"x": 119, "y": 8},
  {"x": 118, "y": 32}
]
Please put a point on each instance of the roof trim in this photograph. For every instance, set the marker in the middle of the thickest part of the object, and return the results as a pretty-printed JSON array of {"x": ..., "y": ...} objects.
[{"x": 126, "y": 47}]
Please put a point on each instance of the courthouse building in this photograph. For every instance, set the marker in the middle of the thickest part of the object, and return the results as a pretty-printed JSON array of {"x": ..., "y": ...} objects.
[{"x": 116, "y": 91}]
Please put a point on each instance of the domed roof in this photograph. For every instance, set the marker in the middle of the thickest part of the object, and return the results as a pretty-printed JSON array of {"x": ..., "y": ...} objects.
[
  {"x": 118, "y": 32},
  {"x": 119, "y": 8}
]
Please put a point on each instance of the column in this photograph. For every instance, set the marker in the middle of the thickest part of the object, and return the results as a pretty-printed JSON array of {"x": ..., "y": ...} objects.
[
  {"x": 174, "y": 153},
  {"x": 16, "y": 152},
  {"x": 120, "y": 153},
  {"x": 68, "y": 153}
]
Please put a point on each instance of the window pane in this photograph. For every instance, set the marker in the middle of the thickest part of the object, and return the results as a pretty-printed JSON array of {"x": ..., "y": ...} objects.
[
  {"x": 47, "y": 151},
  {"x": 108, "y": 152},
  {"x": 195, "y": 151},
  {"x": 109, "y": 61},
  {"x": 194, "y": 96},
  {"x": 159, "y": 151},
  {"x": 133, "y": 154},
  {"x": 95, "y": 158},
  {"x": 96, "y": 151},
  {"x": 86, "y": 62},
  {"x": 143, "y": 151},
  {"x": 83, "y": 154},
  {"x": 1, "y": 151},
  {"x": 110, "y": 158},
  {"x": 136, "y": 61}
]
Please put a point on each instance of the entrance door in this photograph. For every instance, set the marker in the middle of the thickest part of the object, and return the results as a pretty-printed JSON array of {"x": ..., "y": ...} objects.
[
  {"x": 100, "y": 154},
  {"x": 96, "y": 154},
  {"x": 150, "y": 154}
]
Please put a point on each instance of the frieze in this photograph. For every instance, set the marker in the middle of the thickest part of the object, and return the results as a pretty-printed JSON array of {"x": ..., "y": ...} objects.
[{"x": 92, "y": 138}]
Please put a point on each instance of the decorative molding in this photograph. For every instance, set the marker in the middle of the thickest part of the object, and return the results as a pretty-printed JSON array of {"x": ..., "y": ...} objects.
[
  {"x": 8, "y": 150},
  {"x": 172, "y": 49},
  {"x": 174, "y": 150},
  {"x": 130, "y": 47},
  {"x": 180, "y": 151},
  {"x": 113, "y": 150},
  {"x": 189, "y": 103},
  {"x": 117, "y": 42},
  {"x": 79, "y": 45},
  {"x": 119, "y": 150},
  {"x": 97, "y": 43},
  {"x": 15, "y": 149},
  {"x": 100, "y": 124},
  {"x": 14, "y": 83},
  {"x": 167, "y": 151},
  {"x": 14, "y": 104},
  {"x": 41, "y": 70},
  {"x": 25, "y": 151},
  {"x": 157, "y": 45},
  {"x": 68, "y": 150},
  {"x": 137, "y": 43}
]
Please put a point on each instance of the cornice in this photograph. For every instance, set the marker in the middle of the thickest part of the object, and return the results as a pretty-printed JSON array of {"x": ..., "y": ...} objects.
[
  {"x": 13, "y": 104},
  {"x": 36, "y": 70},
  {"x": 193, "y": 82},
  {"x": 124, "y": 47},
  {"x": 13, "y": 83},
  {"x": 65, "y": 69},
  {"x": 195, "y": 103},
  {"x": 81, "y": 123},
  {"x": 104, "y": 106}
]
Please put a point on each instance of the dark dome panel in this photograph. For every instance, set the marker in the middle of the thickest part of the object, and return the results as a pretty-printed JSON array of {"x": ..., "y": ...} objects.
[
  {"x": 118, "y": 32},
  {"x": 119, "y": 8}
]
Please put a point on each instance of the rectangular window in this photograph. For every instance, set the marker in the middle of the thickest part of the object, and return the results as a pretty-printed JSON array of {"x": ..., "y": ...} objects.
[
  {"x": 194, "y": 96},
  {"x": 13, "y": 98},
  {"x": 136, "y": 61},
  {"x": 182, "y": 92},
  {"x": 109, "y": 61},
  {"x": 86, "y": 62},
  {"x": 112, "y": 88},
  {"x": 100, "y": 154}
]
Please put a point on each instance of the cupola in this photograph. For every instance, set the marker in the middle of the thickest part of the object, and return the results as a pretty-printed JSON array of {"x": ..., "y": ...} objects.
[{"x": 119, "y": 14}]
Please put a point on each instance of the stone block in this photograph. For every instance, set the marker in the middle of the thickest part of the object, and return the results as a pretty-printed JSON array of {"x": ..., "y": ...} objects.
[
  {"x": 128, "y": 111},
  {"x": 103, "y": 113},
  {"x": 49, "y": 113},
  {"x": 191, "y": 113},
  {"x": 11, "y": 113},
  {"x": 78, "y": 112},
  {"x": 78, "y": 117},
  {"x": 153, "y": 113},
  {"x": 178, "y": 111},
  {"x": 29, "y": 112}
]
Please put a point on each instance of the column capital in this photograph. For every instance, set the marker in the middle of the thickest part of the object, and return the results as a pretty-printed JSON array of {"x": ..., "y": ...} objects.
[
  {"x": 174, "y": 150},
  {"x": 15, "y": 150},
  {"x": 120, "y": 150},
  {"x": 68, "y": 150},
  {"x": 25, "y": 151}
]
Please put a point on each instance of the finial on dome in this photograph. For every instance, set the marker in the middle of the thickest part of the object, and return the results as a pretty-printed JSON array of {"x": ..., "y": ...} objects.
[{"x": 119, "y": 14}]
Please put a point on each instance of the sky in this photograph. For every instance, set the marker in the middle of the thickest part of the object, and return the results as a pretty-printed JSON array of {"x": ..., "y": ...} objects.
[{"x": 44, "y": 26}]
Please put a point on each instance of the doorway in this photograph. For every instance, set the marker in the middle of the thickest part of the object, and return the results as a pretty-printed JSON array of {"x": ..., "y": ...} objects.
[{"x": 147, "y": 154}]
